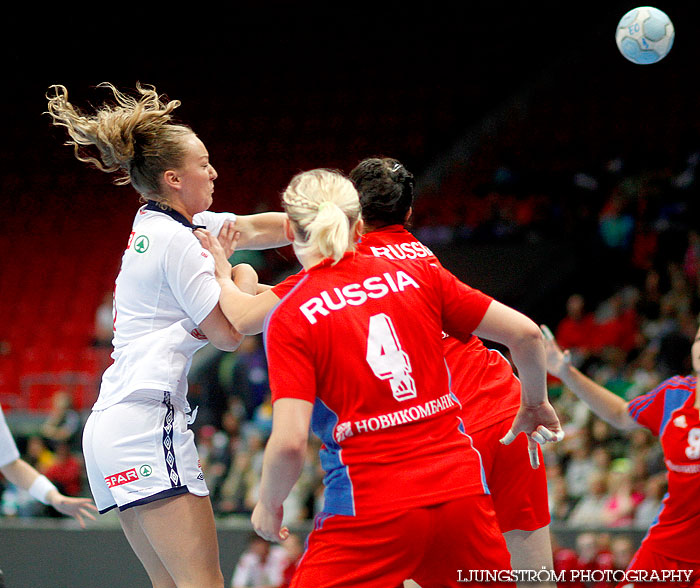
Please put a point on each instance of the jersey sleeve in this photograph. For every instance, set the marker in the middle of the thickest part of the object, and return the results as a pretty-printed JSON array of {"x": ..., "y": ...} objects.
[
  {"x": 463, "y": 307},
  {"x": 8, "y": 448},
  {"x": 213, "y": 221},
  {"x": 189, "y": 271},
  {"x": 287, "y": 285},
  {"x": 290, "y": 361},
  {"x": 648, "y": 409}
]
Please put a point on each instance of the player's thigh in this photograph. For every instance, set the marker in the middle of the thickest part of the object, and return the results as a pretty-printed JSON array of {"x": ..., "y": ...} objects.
[
  {"x": 519, "y": 492},
  {"x": 363, "y": 552},
  {"x": 465, "y": 537},
  {"x": 182, "y": 532},
  {"x": 157, "y": 572}
]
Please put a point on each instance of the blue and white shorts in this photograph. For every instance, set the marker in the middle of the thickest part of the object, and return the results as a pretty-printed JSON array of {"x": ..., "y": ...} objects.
[{"x": 138, "y": 451}]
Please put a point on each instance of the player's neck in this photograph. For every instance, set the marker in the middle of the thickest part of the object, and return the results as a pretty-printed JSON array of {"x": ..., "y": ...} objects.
[{"x": 308, "y": 260}]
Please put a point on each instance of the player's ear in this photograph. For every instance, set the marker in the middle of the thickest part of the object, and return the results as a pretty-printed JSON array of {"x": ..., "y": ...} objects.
[
  {"x": 171, "y": 179},
  {"x": 359, "y": 229},
  {"x": 288, "y": 230}
]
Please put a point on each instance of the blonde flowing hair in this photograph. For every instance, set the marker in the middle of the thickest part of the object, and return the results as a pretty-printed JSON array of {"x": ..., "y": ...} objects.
[
  {"x": 323, "y": 207},
  {"x": 134, "y": 137}
]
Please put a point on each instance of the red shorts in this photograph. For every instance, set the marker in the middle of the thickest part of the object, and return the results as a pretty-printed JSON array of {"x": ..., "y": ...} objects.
[
  {"x": 429, "y": 545},
  {"x": 647, "y": 560},
  {"x": 519, "y": 492}
]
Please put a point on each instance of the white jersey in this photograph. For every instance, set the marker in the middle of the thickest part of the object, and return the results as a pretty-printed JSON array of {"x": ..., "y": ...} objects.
[
  {"x": 8, "y": 448},
  {"x": 165, "y": 288}
]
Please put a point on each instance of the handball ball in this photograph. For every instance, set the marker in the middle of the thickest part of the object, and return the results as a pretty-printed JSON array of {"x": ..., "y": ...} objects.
[{"x": 645, "y": 35}]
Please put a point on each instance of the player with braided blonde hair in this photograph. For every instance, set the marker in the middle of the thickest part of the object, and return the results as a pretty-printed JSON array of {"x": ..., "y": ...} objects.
[
  {"x": 140, "y": 455},
  {"x": 324, "y": 205}
]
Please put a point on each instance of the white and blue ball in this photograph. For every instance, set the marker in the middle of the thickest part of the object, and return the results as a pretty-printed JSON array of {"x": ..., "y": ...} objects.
[{"x": 645, "y": 35}]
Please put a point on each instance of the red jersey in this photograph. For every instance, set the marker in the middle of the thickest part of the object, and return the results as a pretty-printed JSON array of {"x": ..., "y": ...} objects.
[
  {"x": 668, "y": 412},
  {"x": 362, "y": 341},
  {"x": 481, "y": 378}
]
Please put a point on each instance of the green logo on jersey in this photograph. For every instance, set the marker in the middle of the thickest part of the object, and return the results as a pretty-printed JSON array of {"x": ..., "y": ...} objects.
[
  {"x": 146, "y": 470},
  {"x": 141, "y": 244}
]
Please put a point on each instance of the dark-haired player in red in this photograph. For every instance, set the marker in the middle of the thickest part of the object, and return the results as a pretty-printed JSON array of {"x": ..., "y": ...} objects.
[{"x": 672, "y": 413}]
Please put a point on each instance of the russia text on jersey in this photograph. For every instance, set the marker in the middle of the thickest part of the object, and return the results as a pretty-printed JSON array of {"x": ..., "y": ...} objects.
[
  {"x": 399, "y": 417},
  {"x": 412, "y": 250},
  {"x": 356, "y": 294}
]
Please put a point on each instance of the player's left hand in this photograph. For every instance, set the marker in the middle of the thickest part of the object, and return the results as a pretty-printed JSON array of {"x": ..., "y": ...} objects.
[
  {"x": 268, "y": 524},
  {"x": 541, "y": 425}
]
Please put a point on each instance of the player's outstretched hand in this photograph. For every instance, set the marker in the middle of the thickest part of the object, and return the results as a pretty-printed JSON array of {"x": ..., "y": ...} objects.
[
  {"x": 557, "y": 360},
  {"x": 541, "y": 425},
  {"x": 228, "y": 238},
  {"x": 213, "y": 245},
  {"x": 268, "y": 524},
  {"x": 79, "y": 508}
]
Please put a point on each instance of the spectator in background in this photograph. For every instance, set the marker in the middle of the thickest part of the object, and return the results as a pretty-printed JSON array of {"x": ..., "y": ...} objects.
[
  {"x": 63, "y": 425},
  {"x": 104, "y": 322},
  {"x": 576, "y": 328},
  {"x": 622, "y": 500},
  {"x": 245, "y": 376},
  {"x": 66, "y": 472},
  {"x": 579, "y": 466},
  {"x": 261, "y": 565},
  {"x": 589, "y": 510},
  {"x": 294, "y": 547},
  {"x": 648, "y": 509},
  {"x": 591, "y": 554},
  {"x": 38, "y": 455}
]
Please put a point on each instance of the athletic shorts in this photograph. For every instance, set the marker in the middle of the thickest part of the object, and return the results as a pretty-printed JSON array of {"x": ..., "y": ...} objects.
[
  {"x": 646, "y": 560},
  {"x": 429, "y": 545},
  {"x": 519, "y": 492},
  {"x": 138, "y": 451}
]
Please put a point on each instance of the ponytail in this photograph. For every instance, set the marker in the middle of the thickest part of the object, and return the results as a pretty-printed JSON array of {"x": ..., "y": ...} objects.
[
  {"x": 134, "y": 138},
  {"x": 323, "y": 207}
]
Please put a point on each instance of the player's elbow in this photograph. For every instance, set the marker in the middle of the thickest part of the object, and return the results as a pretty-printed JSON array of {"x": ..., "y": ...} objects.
[
  {"x": 228, "y": 341},
  {"x": 248, "y": 325},
  {"x": 525, "y": 336},
  {"x": 292, "y": 444}
]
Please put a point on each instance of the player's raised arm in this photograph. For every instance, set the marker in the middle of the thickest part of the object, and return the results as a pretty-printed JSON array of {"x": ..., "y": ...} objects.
[{"x": 606, "y": 405}]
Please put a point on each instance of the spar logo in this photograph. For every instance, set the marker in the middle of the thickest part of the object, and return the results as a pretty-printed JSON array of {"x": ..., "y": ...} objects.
[
  {"x": 128, "y": 476},
  {"x": 122, "y": 478},
  {"x": 141, "y": 244}
]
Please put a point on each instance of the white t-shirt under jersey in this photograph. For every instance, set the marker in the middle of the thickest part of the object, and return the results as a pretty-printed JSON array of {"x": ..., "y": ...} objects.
[
  {"x": 8, "y": 448},
  {"x": 165, "y": 288}
]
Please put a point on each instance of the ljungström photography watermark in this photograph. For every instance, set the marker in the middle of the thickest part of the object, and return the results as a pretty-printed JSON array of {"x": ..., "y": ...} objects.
[{"x": 594, "y": 576}]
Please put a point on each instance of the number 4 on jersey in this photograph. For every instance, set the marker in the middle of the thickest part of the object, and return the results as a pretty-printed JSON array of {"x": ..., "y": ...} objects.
[{"x": 386, "y": 358}]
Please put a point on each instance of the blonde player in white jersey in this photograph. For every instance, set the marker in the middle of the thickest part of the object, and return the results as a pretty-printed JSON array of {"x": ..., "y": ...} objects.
[{"x": 140, "y": 455}]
